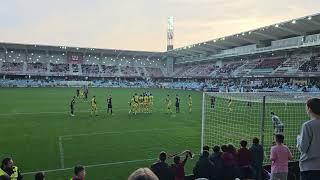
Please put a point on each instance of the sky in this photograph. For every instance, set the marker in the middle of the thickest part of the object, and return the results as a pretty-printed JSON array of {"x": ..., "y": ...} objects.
[{"x": 139, "y": 24}]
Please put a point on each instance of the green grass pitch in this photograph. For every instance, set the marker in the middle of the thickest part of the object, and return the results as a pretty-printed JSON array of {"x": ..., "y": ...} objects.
[
  {"x": 38, "y": 132},
  {"x": 35, "y": 123}
]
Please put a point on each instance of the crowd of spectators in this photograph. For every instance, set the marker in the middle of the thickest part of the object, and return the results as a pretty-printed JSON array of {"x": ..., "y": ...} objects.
[
  {"x": 11, "y": 67},
  {"x": 109, "y": 70},
  {"x": 90, "y": 69},
  {"x": 59, "y": 68},
  {"x": 128, "y": 71},
  {"x": 154, "y": 72},
  {"x": 36, "y": 67},
  {"x": 311, "y": 66}
]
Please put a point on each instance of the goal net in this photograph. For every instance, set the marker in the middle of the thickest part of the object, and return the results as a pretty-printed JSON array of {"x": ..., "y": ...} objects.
[{"x": 230, "y": 117}]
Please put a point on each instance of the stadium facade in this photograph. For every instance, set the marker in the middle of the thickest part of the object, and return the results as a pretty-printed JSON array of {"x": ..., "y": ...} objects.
[{"x": 283, "y": 50}]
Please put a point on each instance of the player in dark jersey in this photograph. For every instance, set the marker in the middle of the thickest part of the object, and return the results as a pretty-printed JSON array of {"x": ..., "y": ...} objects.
[
  {"x": 77, "y": 92},
  {"x": 85, "y": 92},
  {"x": 212, "y": 102},
  {"x": 177, "y": 104},
  {"x": 73, "y": 101},
  {"x": 109, "y": 104}
]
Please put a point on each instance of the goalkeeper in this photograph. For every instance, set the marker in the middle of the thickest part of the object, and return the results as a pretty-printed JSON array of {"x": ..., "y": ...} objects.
[{"x": 277, "y": 124}]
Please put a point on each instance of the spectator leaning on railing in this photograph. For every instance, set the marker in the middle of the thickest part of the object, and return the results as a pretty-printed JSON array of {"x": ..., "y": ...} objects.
[{"x": 308, "y": 142}]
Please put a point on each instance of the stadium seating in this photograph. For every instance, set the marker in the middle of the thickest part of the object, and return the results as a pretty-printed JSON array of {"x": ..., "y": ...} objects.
[
  {"x": 154, "y": 72},
  {"x": 127, "y": 71},
  {"x": 313, "y": 65},
  {"x": 59, "y": 68},
  {"x": 36, "y": 68},
  {"x": 12, "y": 67}
]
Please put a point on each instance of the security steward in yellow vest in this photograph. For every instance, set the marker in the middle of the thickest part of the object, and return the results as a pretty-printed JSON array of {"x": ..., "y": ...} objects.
[{"x": 7, "y": 168}]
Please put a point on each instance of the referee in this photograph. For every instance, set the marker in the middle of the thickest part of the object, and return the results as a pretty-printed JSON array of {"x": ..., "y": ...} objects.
[
  {"x": 177, "y": 104},
  {"x": 72, "y": 105}
]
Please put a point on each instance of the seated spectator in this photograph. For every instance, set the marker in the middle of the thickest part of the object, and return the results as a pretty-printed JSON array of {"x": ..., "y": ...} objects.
[
  {"x": 143, "y": 174},
  {"x": 79, "y": 172},
  {"x": 280, "y": 156},
  {"x": 178, "y": 166},
  {"x": 203, "y": 168},
  {"x": 257, "y": 158},
  {"x": 244, "y": 160},
  {"x": 161, "y": 168},
  {"x": 216, "y": 159},
  {"x": 39, "y": 176},
  {"x": 8, "y": 168}
]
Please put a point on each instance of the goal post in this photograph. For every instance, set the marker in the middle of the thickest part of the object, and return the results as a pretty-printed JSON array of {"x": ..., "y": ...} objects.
[{"x": 231, "y": 117}]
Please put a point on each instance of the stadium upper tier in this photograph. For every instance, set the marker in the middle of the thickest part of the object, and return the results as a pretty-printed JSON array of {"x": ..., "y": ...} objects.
[{"x": 287, "y": 49}]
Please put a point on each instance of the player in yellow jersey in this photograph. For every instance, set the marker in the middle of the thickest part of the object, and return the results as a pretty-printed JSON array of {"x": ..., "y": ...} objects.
[
  {"x": 136, "y": 103},
  {"x": 131, "y": 106},
  {"x": 93, "y": 106},
  {"x": 81, "y": 94},
  {"x": 190, "y": 103},
  {"x": 146, "y": 103},
  {"x": 168, "y": 104},
  {"x": 141, "y": 103},
  {"x": 150, "y": 103},
  {"x": 230, "y": 104}
]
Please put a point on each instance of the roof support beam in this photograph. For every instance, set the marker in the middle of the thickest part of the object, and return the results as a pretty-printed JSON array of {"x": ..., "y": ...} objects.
[
  {"x": 248, "y": 40},
  {"x": 290, "y": 31},
  {"x": 230, "y": 43},
  {"x": 265, "y": 35},
  {"x": 215, "y": 46},
  {"x": 314, "y": 22},
  {"x": 202, "y": 47}
]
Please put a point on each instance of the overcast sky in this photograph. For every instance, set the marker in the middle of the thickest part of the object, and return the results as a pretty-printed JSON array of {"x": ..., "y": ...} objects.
[{"x": 139, "y": 24}]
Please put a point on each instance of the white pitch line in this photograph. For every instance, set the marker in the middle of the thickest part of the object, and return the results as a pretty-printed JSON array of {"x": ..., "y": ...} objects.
[
  {"x": 61, "y": 152},
  {"x": 121, "y": 132},
  {"x": 94, "y": 165}
]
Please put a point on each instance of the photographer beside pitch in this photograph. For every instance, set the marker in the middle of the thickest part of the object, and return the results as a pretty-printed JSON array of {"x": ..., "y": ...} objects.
[{"x": 308, "y": 142}]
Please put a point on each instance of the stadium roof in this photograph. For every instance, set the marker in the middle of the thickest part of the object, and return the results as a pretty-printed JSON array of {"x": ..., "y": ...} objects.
[
  {"x": 296, "y": 27},
  {"x": 65, "y": 49}
]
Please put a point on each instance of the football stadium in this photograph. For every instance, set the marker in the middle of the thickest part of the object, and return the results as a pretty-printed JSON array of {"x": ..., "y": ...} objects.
[{"x": 66, "y": 110}]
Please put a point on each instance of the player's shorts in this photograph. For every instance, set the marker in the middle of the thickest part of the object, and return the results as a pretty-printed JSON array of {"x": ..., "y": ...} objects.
[
  {"x": 94, "y": 107},
  {"x": 177, "y": 104},
  {"x": 109, "y": 105},
  {"x": 280, "y": 128}
]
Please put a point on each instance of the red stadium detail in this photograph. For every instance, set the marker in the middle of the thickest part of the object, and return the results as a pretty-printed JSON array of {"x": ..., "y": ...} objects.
[{"x": 75, "y": 58}]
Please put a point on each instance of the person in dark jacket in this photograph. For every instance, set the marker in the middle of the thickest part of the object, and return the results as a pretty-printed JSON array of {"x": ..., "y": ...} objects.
[
  {"x": 8, "y": 169},
  {"x": 203, "y": 168},
  {"x": 161, "y": 169},
  {"x": 257, "y": 158},
  {"x": 216, "y": 159}
]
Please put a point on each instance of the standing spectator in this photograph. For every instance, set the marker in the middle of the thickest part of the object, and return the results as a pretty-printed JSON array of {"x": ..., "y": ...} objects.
[
  {"x": 8, "y": 169},
  {"x": 244, "y": 160},
  {"x": 79, "y": 172},
  {"x": 216, "y": 159},
  {"x": 229, "y": 162},
  {"x": 39, "y": 176},
  {"x": 203, "y": 167},
  {"x": 280, "y": 156},
  {"x": 143, "y": 174},
  {"x": 257, "y": 158},
  {"x": 161, "y": 168},
  {"x": 5, "y": 177},
  {"x": 178, "y": 166},
  {"x": 308, "y": 142}
]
